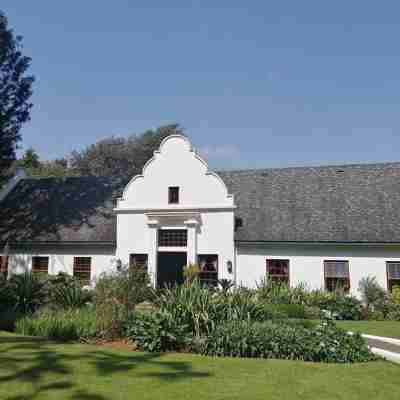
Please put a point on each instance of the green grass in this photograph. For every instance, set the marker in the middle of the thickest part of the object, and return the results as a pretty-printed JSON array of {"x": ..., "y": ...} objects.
[
  {"x": 31, "y": 368},
  {"x": 377, "y": 328}
]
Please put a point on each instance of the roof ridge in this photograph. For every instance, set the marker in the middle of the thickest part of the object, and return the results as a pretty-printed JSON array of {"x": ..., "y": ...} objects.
[{"x": 329, "y": 166}]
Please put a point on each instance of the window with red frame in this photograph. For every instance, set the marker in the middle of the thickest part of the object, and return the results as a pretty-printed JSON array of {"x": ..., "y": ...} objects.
[
  {"x": 208, "y": 264},
  {"x": 278, "y": 271},
  {"x": 337, "y": 276},
  {"x": 40, "y": 265},
  {"x": 82, "y": 269},
  {"x": 393, "y": 274},
  {"x": 138, "y": 261}
]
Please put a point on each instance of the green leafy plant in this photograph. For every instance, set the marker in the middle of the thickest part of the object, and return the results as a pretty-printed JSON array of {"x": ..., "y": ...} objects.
[
  {"x": 324, "y": 343},
  {"x": 191, "y": 273},
  {"x": 116, "y": 295},
  {"x": 70, "y": 296},
  {"x": 372, "y": 294},
  {"x": 225, "y": 284},
  {"x": 396, "y": 295},
  {"x": 157, "y": 331},
  {"x": 65, "y": 325},
  {"x": 28, "y": 292}
]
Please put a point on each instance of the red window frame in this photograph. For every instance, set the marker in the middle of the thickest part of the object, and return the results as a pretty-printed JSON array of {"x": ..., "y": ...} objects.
[
  {"x": 40, "y": 264},
  {"x": 82, "y": 269},
  {"x": 333, "y": 283},
  {"x": 278, "y": 270},
  {"x": 208, "y": 264},
  {"x": 391, "y": 281},
  {"x": 138, "y": 261}
]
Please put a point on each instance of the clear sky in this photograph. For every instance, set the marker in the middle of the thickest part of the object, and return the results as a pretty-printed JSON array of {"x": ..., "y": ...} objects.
[{"x": 254, "y": 83}]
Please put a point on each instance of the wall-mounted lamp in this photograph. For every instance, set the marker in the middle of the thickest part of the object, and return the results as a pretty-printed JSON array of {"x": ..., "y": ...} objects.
[
  {"x": 119, "y": 264},
  {"x": 229, "y": 266}
]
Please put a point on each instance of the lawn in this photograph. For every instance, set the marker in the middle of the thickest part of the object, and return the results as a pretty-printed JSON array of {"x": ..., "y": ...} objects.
[
  {"x": 37, "y": 369},
  {"x": 377, "y": 328}
]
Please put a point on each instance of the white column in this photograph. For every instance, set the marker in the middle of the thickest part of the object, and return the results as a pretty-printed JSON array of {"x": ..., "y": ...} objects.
[
  {"x": 152, "y": 255},
  {"x": 191, "y": 225}
]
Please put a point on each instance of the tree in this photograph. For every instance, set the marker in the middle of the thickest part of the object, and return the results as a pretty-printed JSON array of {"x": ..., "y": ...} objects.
[
  {"x": 29, "y": 161},
  {"x": 118, "y": 156},
  {"x": 15, "y": 91}
]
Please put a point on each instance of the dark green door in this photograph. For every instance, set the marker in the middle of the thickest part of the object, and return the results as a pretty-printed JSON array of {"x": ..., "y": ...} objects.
[{"x": 170, "y": 268}]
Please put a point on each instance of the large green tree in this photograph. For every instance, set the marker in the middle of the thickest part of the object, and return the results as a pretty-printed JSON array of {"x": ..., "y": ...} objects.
[
  {"x": 15, "y": 92},
  {"x": 119, "y": 156}
]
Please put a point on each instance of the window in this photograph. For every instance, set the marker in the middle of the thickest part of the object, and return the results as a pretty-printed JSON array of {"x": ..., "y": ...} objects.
[
  {"x": 4, "y": 266},
  {"x": 208, "y": 264},
  {"x": 82, "y": 266},
  {"x": 278, "y": 271},
  {"x": 173, "y": 195},
  {"x": 337, "y": 275},
  {"x": 172, "y": 237},
  {"x": 138, "y": 261},
  {"x": 40, "y": 265},
  {"x": 393, "y": 274}
]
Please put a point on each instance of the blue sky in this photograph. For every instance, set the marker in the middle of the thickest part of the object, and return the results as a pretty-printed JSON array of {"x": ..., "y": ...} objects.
[{"x": 254, "y": 83}]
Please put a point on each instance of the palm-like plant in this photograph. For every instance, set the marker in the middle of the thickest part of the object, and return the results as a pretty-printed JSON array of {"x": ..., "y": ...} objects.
[{"x": 28, "y": 292}]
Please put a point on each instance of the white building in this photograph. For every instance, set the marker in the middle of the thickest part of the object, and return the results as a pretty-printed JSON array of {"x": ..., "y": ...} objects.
[{"x": 322, "y": 226}]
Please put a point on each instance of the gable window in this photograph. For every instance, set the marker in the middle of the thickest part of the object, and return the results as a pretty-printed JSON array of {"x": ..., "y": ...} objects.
[
  {"x": 4, "y": 266},
  {"x": 208, "y": 264},
  {"x": 278, "y": 271},
  {"x": 172, "y": 237},
  {"x": 82, "y": 268},
  {"x": 40, "y": 265},
  {"x": 173, "y": 195},
  {"x": 337, "y": 276},
  {"x": 393, "y": 274},
  {"x": 138, "y": 261}
]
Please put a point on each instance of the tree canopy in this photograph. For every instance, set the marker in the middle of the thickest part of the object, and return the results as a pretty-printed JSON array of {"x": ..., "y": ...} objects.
[
  {"x": 119, "y": 156},
  {"x": 122, "y": 157},
  {"x": 15, "y": 92}
]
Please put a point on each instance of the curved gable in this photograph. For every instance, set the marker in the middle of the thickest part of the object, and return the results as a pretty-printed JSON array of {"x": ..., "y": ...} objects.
[{"x": 175, "y": 164}]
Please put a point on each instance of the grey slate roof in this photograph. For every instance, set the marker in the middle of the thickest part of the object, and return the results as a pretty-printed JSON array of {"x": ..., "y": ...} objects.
[
  {"x": 76, "y": 209},
  {"x": 353, "y": 203}
]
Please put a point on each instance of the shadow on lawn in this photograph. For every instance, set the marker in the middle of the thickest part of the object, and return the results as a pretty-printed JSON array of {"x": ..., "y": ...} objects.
[{"x": 32, "y": 360}]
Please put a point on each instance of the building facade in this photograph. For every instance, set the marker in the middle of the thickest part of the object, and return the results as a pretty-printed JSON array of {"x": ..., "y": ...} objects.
[{"x": 323, "y": 226}]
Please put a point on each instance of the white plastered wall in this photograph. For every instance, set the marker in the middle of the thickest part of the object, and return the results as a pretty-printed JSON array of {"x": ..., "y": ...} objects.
[
  {"x": 61, "y": 259},
  {"x": 306, "y": 262}
]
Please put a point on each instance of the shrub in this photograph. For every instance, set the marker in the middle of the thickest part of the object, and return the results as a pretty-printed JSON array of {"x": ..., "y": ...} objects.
[
  {"x": 191, "y": 273},
  {"x": 394, "y": 314},
  {"x": 70, "y": 296},
  {"x": 372, "y": 294},
  {"x": 8, "y": 319},
  {"x": 396, "y": 295},
  {"x": 156, "y": 332},
  {"x": 27, "y": 292},
  {"x": 5, "y": 294},
  {"x": 280, "y": 293},
  {"x": 336, "y": 305},
  {"x": 60, "y": 325},
  {"x": 116, "y": 294},
  {"x": 325, "y": 343}
]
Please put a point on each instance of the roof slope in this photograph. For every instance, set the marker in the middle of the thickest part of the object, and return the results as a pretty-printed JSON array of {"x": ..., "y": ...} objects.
[
  {"x": 353, "y": 203},
  {"x": 59, "y": 209}
]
